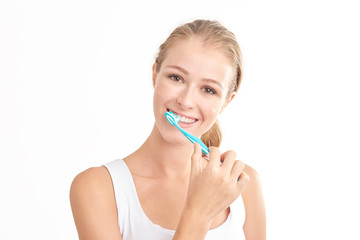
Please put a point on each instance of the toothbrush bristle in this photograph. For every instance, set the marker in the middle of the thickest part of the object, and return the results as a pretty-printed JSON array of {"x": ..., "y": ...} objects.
[{"x": 172, "y": 117}]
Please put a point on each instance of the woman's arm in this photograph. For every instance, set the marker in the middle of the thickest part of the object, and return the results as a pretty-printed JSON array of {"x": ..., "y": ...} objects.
[
  {"x": 93, "y": 205},
  {"x": 255, "y": 222},
  {"x": 211, "y": 191}
]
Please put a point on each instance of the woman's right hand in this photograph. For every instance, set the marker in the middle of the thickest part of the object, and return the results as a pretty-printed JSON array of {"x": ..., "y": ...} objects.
[{"x": 214, "y": 188}]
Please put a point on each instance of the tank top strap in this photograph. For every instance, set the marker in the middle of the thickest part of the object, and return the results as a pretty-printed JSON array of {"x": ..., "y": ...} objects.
[{"x": 125, "y": 194}]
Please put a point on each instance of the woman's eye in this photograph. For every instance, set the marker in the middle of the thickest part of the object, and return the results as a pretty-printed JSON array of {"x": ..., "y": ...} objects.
[
  {"x": 209, "y": 90},
  {"x": 175, "y": 78}
]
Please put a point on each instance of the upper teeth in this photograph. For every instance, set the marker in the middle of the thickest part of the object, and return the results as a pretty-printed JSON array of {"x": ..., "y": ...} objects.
[{"x": 185, "y": 119}]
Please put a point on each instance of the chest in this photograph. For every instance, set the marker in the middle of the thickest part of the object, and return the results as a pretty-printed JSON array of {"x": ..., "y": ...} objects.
[{"x": 163, "y": 202}]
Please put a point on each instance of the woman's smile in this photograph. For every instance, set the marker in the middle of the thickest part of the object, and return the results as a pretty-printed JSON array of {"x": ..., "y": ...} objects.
[{"x": 185, "y": 121}]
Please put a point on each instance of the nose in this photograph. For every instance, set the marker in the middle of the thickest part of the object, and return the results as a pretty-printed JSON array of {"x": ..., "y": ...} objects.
[{"x": 186, "y": 98}]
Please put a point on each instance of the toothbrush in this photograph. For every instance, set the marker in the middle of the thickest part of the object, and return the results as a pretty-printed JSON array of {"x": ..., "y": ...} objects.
[{"x": 174, "y": 119}]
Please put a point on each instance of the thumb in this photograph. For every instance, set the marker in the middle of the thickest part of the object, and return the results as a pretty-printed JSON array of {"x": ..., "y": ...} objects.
[{"x": 195, "y": 160}]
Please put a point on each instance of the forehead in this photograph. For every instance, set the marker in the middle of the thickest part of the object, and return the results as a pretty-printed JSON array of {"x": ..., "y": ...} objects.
[{"x": 200, "y": 59}]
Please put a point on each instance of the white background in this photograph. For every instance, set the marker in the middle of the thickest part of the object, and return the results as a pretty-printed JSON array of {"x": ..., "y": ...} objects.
[{"x": 75, "y": 92}]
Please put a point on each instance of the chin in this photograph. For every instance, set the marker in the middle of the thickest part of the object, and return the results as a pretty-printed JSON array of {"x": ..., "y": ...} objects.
[
  {"x": 171, "y": 134},
  {"x": 174, "y": 137}
]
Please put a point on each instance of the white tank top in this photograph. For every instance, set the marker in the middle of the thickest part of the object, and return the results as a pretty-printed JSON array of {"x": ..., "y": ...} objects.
[{"x": 135, "y": 225}]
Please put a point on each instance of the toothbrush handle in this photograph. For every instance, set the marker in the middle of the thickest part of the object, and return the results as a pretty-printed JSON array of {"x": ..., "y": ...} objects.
[{"x": 194, "y": 139}]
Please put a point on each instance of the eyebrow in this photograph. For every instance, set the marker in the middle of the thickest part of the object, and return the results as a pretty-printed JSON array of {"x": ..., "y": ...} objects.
[
  {"x": 214, "y": 82},
  {"x": 178, "y": 68},
  {"x": 187, "y": 73}
]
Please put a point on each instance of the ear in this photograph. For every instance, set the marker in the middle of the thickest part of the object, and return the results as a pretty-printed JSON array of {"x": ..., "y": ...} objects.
[
  {"x": 227, "y": 101},
  {"x": 154, "y": 74}
]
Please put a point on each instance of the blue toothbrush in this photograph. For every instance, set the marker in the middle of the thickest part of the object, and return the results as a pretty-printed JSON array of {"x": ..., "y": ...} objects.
[{"x": 174, "y": 119}]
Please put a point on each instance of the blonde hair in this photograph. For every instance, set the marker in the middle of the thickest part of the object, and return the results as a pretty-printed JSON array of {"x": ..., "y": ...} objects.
[{"x": 210, "y": 32}]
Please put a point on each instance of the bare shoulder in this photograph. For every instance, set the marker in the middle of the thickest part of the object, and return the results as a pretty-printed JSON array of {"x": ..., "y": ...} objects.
[
  {"x": 253, "y": 174},
  {"x": 91, "y": 185},
  {"x": 93, "y": 204},
  {"x": 255, "y": 222},
  {"x": 253, "y": 190},
  {"x": 252, "y": 195},
  {"x": 90, "y": 179}
]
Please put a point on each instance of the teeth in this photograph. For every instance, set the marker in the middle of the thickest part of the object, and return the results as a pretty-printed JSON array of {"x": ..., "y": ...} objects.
[{"x": 185, "y": 119}]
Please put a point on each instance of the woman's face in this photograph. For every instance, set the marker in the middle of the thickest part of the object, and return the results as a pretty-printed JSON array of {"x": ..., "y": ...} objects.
[{"x": 193, "y": 82}]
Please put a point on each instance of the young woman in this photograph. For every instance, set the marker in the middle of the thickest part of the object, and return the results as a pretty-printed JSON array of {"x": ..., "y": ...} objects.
[{"x": 167, "y": 189}]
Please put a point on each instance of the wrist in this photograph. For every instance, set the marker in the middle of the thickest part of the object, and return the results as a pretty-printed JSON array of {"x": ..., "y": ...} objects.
[{"x": 192, "y": 225}]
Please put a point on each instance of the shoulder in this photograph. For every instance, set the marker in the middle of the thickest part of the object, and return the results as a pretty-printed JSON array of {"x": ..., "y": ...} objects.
[
  {"x": 252, "y": 195},
  {"x": 253, "y": 174},
  {"x": 93, "y": 174},
  {"x": 255, "y": 222},
  {"x": 92, "y": 186},
  {"x": 253, "y": 190},
  {"x": 91, "y": 181},
  {"x": 93, "y": 203}
]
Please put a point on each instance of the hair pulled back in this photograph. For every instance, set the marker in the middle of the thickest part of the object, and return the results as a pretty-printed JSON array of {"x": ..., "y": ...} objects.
[{"x": 210, "y": 32}]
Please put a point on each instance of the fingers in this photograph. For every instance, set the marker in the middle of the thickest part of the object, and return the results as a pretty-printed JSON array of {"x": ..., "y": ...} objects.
[
  {"x": 228, "y": 158},
  {"x": 237, "y": 169},
  {"x": 229, "y": 165},
  {"x": 214, "y": 158},
  {"x": 195, "y": 160},
  {"x": 243, "y": 181}
]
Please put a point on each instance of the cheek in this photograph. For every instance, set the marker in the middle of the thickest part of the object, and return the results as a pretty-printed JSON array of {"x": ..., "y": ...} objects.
[
  {"x": 161, "y": 93},
  {"x": 158, "y": 99},
  {"x": 211, "y": 112},
  {"x": 214, "y": 107}
]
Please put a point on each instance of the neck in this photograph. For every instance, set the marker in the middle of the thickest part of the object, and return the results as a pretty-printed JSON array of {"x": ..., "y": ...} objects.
[{"x": 162, "y": 158}]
